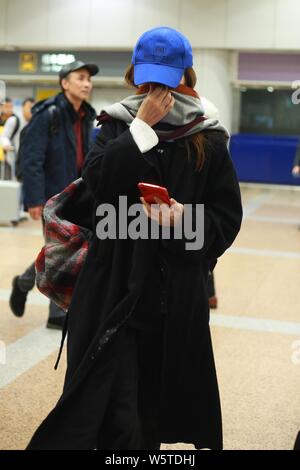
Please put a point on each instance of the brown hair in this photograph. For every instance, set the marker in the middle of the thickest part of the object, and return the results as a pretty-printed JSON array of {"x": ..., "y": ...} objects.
[{"x": 194, "y": 142}]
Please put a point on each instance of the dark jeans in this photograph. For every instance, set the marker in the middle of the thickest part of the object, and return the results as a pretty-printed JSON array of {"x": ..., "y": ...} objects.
[{"x": 26, "y": 282}]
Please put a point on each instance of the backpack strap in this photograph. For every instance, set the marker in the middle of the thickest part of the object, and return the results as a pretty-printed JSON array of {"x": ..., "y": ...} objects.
[
  {"x": 50, "y": 107},
  {"x": 17, "y": 126},
  {"x": 54, "y": 119}
]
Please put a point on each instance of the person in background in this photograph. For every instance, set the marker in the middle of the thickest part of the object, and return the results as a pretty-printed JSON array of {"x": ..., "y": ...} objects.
[
  {"x": 296, "y": 165},
  {"x": 7, "y": 110},
  {"x": 2, "y": 155},
  {"x": 26, "y": 117},
  {"x": 55, "y": 144},
  {"x": 2, "y": 118},
  {"x": 9, "y": 137}
]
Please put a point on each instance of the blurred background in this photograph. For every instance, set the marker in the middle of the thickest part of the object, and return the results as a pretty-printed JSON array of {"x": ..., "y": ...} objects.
[{"x": 246, "y": 58}]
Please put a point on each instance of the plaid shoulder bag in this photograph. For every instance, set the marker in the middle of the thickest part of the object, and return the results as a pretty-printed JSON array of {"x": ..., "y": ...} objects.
[{"x": 66, "y": 245}]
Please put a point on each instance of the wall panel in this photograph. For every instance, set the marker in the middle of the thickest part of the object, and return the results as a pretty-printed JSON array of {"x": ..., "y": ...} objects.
[
  {"x": 250, "y": 24},
  {"x": 2, "y": 22},
  {"x": 111, "y": 23},
  {"x": 68, "y": 23},
  {"x": 204, "y": 22},
  {"x": 26, "y": 23},
  {"x": 150, "y": 14},
  {"x": 287, "y": 25}
]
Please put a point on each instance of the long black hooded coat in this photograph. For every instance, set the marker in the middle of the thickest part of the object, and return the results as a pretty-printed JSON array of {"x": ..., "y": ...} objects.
[{"x": 117, "y": 273}]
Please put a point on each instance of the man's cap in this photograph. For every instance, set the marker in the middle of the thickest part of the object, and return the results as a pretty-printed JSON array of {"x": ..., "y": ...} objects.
[
  {"x": 160, "y": 56},
  {"x": 77, "y": 65}
]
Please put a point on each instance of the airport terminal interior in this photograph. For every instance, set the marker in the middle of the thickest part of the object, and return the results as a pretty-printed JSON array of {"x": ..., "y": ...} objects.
[{"x": 251, "y": 82}]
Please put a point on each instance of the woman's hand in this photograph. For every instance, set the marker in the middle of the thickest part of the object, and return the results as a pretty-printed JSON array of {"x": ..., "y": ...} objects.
[
  {"x": 162, "y": 213},
  {"x": 157, "y": 104},
  {"x": 296, "y": 170}
]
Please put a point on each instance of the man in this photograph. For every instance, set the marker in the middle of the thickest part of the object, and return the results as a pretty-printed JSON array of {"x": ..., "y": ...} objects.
[{"x": 57, "y": 140}]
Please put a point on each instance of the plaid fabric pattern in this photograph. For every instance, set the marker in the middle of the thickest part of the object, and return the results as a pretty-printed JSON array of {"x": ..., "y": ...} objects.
[{"x": 66, "y": 244}]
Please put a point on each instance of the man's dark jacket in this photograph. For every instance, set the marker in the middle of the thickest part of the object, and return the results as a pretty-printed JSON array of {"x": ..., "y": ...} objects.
[{"x": 49, "y": 150}]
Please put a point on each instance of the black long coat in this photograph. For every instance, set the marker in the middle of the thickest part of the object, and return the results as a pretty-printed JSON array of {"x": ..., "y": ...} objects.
[{"x": 114, "y": 277}]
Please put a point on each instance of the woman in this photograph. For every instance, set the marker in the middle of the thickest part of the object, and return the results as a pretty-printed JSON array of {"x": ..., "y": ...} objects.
[{"x": 140, "y": 361}]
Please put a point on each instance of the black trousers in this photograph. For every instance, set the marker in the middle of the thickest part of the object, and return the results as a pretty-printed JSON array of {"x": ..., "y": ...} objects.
[{"x": 131, "y": 420}]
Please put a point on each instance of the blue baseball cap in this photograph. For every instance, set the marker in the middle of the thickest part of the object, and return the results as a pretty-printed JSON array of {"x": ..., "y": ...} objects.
[{"x": 160, "y": 56}]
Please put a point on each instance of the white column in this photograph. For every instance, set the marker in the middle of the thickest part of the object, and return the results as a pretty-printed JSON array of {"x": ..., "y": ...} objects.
[{"x": 214, "y": 72}]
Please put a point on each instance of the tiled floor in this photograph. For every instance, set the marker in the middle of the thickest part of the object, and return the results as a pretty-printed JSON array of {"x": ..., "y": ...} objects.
[{"x": 256, "y": 331}]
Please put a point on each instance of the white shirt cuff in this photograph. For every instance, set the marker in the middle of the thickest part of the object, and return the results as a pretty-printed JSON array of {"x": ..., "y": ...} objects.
[{"x": 143, "y": 135}]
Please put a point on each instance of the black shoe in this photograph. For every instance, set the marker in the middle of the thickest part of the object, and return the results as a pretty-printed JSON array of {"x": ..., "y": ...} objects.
[
  {"x": 297, "y": 443},
  {"x": 17, "y": 299},
  {"x": 56, "y": 323}
]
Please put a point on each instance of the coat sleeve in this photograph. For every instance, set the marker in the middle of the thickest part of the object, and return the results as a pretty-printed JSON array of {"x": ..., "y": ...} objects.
[
  {"x": 114, "y": 165},
  {"x": 34, "y": 151},
  {"x": 222, "y": 211}
]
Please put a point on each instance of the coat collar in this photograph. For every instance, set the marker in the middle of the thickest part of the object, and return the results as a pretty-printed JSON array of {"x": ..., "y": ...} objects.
[
  {"x": 67, "y": 108},
  {"x": 65, "y": 104}
]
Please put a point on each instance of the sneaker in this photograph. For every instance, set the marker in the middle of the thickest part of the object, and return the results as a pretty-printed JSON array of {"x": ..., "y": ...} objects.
[
  {"x": 17, "y": 299},
  {"x": 56, "y": 323}
]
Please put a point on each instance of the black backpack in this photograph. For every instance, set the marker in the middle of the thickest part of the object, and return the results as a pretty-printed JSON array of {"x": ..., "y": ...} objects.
[{"x": 54, "y": 119}]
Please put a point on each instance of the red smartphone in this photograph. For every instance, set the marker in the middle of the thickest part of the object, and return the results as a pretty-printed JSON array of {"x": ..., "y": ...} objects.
[{"x": 149, "y": 191}]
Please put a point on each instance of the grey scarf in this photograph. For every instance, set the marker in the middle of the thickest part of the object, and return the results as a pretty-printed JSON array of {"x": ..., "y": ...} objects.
[{"x": 185, "y": 118}]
